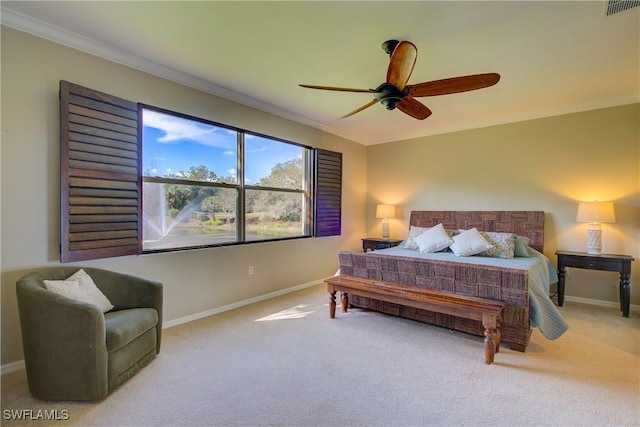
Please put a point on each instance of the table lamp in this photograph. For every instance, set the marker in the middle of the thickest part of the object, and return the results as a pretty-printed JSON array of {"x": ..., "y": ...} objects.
[
  {"x": 385, "y": 212},
  {"x": 595, "y": 213}
]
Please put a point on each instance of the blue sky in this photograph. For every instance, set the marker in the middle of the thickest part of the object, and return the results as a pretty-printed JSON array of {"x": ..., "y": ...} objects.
[{"x": 173, "y": 144}]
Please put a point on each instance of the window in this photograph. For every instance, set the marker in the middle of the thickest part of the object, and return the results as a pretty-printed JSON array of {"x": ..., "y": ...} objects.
[
  {"x": 137, "y": 179},
  {"x": 205, "y": 184},
  {"x": 276, "y": 200}
]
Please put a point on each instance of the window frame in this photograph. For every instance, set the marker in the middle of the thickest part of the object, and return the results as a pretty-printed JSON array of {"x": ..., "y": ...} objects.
[{"x": 240, "y": 186}]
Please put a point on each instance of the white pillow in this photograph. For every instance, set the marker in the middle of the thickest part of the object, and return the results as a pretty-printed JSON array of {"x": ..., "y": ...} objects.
[
  {"x": 80, "y": 287},
  {"x": 410, "y": 243},
  {"x": 433, "y": 240},
  {"x": 469, "y": 242}
]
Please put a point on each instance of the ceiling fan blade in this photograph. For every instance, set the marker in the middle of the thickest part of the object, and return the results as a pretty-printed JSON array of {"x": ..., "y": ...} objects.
[
  {"x": 340, "y": 89},
  {"x": 454, "y": 85},
  {"x": 364, "y": 107},
  {"x": 414, "y": 108},
  {"x": 403, "y": 59}
]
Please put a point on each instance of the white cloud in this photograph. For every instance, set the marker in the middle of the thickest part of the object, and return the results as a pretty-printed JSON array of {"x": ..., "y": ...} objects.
[
  {"x": 177, "y": 129},
  {"x": 256, "y": 150}
]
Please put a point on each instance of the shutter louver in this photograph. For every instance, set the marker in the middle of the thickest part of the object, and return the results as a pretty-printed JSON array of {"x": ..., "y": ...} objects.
[
  {"x": 328, "y": 193},
  {"x": 100, "y": 187}
]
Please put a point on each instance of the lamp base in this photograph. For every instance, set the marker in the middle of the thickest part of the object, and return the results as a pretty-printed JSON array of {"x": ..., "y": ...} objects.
[
  {"x": 594, "y": 239},
  {"x": 385, "y": 230}
]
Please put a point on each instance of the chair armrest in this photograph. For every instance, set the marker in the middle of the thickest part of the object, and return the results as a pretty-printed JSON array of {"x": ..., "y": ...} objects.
[{"x": 64, "y": 343}]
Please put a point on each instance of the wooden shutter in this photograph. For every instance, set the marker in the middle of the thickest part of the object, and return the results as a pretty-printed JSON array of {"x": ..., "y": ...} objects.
[
  {"x": 100, "y": 197},
  {"x": 328, "y": 193}
]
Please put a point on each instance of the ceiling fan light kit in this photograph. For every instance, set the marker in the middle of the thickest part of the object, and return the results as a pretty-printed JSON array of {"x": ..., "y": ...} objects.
[{"x": 396, "y": 93}]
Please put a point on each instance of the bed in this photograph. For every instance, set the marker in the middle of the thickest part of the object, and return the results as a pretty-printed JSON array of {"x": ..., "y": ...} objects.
[{"x": 522, "y": 281}]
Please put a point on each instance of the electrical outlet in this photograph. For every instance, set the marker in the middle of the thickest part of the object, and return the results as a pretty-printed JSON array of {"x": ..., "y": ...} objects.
[{"x": 251, "y": 270}]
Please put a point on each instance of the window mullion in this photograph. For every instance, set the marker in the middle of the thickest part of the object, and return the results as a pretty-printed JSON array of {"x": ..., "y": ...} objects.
[
  {"x": 240, "y": 213},
  {"x": 161, "y": 180},
  {"x": 279, "y": 189}
]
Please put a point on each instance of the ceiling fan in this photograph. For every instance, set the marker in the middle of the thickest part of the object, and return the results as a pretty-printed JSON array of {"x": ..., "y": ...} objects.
[{"x": 396, "y": 93}]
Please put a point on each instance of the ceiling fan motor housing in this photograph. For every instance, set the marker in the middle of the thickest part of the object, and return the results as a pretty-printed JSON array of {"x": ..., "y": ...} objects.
[
  {"x": 389, "y": 95},
  {"x": 390, "y": 45}
]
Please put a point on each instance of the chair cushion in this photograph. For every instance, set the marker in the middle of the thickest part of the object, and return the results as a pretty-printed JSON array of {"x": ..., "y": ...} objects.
[{"x": 124, "y": 326}]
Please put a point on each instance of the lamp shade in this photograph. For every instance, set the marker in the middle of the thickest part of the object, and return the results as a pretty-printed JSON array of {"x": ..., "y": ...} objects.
[
  {"x": 385, "y": 211},
  {"x": 596, "y": 212}
]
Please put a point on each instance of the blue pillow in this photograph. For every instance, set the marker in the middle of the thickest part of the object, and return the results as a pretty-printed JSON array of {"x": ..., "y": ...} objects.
[{"x": 521, "y": 247}]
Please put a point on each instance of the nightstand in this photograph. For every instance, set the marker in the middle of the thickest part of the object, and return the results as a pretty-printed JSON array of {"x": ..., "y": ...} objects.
[
  {"x": 375, "y": 243},
  {"x": 606, "y": 262}
]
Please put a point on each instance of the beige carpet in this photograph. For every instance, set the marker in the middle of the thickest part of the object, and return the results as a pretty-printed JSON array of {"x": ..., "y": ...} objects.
[{"x": 284, "y": 362}]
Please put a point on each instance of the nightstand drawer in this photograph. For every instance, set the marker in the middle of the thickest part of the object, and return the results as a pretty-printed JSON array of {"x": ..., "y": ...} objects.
[
  {"x": 592, "y": 264},
  {"x": 375, "y": 244}
]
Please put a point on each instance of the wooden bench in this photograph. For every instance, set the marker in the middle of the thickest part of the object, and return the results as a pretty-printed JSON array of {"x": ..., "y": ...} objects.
[{"x": 485, "y": 310}]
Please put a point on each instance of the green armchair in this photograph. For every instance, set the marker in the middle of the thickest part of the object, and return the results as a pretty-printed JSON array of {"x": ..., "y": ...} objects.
[{"x": 74, "y": 351}]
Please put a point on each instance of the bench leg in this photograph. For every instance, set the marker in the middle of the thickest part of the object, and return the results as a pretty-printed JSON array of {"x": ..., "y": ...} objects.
[
  {"x": 491, "y": 337},
  {"x": 345, "y": 302},
  {"x": 332, "y": 304},
  {"x": 489, "y": 346}
]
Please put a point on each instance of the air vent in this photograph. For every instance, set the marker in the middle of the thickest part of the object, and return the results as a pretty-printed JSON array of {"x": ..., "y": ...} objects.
[{"x": 616, "y": 6}]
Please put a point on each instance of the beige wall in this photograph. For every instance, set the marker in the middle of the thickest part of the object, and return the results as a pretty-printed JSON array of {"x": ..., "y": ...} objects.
[
  {"x": 195, "y": 281},
  {"x": 546, "y": 164}
]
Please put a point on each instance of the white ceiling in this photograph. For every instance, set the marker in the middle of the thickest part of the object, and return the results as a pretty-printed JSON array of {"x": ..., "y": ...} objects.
[{"x": 554, "y": 57}]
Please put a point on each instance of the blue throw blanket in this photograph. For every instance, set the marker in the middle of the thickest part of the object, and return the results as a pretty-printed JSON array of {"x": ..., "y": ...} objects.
[{"x": 542, "y": 312}]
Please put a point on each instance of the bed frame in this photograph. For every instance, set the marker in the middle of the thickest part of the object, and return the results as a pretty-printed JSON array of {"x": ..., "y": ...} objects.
[{"x": 501, "y": 284}]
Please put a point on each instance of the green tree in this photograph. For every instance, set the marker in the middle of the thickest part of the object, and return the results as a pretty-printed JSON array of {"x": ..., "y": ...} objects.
[
  {"x": 200, "y": 173},
  {"x": 225, "y": 201},
  {"x": 276, "y": 205},
  {"x": 285, "y": 175},
  {"x": 181, "y": 196},
  {"x": 209, "y": 205}
]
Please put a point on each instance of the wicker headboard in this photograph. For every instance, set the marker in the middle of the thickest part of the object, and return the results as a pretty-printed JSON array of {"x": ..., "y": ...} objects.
[{"x": 523, "y": 223}]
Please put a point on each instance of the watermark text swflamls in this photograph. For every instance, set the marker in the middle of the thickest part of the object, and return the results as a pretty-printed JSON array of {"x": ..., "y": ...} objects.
[{"x": 35, "y": 414}]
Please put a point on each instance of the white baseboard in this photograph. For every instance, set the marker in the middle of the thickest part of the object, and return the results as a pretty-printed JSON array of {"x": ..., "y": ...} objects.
[
  {"x": 12, "y": 367},
  {"x": 611, "y": 304},
  {"x": 218, "y": 310}
]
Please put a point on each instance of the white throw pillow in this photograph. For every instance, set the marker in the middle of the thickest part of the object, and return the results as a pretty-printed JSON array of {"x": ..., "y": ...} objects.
[
  {"x": 469, "y": 242},
  {"x": 410, "y": 243},
  {"x": 80, "y": 287},
  {"x": 96, "y": 294},
  {"x": 433, "y": 240}
]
